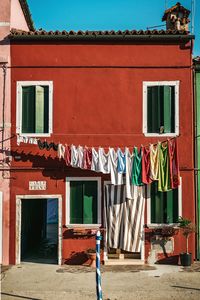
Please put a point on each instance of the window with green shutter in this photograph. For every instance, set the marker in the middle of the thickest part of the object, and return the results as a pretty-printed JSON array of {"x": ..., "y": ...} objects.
[
  {"x": 35, "y": 109},
  {"x": 164, "y": 205},
  {"x": 160, "y": 109},
  {"x": 83, "y": 202}
]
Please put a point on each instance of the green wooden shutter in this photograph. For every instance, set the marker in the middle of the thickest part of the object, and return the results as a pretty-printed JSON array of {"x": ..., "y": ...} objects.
[
  {"x": 46, "y": 109},
  {"x": 28, "y": 109},
  {"x": 157, "y": 204},
  {"x": 76, "y": 202},
  {"x": 168, "y": 99},
  {"x": 90, "y": 202},
  {"x": 173, "y": 116},
  {"x": 153, "y": 109},
  {"x": 164, "y": 205},
  {"x": 39, "y": 109},
  {"x": 172, "y": 206}
]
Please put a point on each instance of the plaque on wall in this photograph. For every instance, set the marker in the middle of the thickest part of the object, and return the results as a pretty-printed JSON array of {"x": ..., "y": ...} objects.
[{"x": 37, "y": 185}]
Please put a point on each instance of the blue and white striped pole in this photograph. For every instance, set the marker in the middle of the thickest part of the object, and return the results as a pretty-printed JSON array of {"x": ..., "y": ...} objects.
[{"x": 98, "y": 271}]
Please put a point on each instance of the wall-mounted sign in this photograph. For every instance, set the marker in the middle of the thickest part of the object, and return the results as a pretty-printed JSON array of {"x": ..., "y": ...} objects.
[{"x": 37, "y": 185}]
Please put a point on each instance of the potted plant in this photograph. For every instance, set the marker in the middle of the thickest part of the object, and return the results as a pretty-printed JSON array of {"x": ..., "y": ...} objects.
[
  {"x": 165, "y": 232},
  {"x": 187, "y": 228}
]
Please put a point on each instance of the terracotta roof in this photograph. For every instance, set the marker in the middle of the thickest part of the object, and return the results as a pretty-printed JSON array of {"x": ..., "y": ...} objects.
[
  {"x": 177, "y": 7},
  {"x": 27, "y": 14},
  {"x": 99, "y": 35}
]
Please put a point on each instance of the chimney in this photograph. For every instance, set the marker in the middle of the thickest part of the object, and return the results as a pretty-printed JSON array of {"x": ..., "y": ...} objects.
[{"x": 176, "y": 17}]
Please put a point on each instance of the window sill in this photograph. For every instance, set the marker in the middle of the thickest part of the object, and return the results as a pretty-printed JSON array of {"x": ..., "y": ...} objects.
[
  {"x": 153, "y": 226},
  {"x": 161, "y": 134},
  {"x": 35, "y": 135},
  {"x": 83, "y": 226}
]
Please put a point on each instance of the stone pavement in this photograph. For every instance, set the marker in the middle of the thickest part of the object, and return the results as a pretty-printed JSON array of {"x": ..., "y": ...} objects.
[{"x": 43, "y": 281}]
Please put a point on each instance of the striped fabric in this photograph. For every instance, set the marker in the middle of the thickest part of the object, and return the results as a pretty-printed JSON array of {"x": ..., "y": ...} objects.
[{"x": 124, "y": 218}]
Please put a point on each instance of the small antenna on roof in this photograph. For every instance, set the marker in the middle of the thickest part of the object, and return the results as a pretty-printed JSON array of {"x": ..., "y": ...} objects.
[
  {"x": 165, "y": 4},
  {"x": 156, "y": 26}
]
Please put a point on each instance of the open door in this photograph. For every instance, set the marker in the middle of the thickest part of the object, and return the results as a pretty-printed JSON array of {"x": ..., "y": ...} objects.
[{"x": 39, "y": 229}]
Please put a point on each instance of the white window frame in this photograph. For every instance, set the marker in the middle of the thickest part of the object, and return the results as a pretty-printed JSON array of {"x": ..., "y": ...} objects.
[
  {"x": 67, "y": 204},
  {"x": 154, "y": 225},
  {"x": 146, "y": 84},
  {"x": 21, "y": 84}
]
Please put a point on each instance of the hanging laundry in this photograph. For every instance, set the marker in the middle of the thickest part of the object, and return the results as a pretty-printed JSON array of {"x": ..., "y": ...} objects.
[
  {"x": 174, "y": 164},
  {"x": 137, "y": 167},
  {"x": 55, "y": 147},
  {"x": 19, "y": 140},
  {"x": 33, "y": 141},
  {"x": 103, "y": 161},
  {"x": 80, "y": 157},
  {"x": 146, "y": 165},
  {"x": 164, "y": 184},
  {"x": 74, "y": 156},
  {"x": 124, "y": 218},
  {"x": 129, "y": 165},
  {"x": 153, "y": 162},
  {"x": 41, "y": 145},
  {"x": 116, "y": 178},
  {"x": 95, "y": 160},
  {"x": 68, "y": 155},
  {"x": 61, "y": 151},
  {"x": 121, "y": 162},
  {"x": 26, "y": 140},
  {"x": 87, "y": 158}
]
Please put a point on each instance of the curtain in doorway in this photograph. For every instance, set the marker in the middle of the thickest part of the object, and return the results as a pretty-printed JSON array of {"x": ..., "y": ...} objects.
[{"x": 124, "y": 217}]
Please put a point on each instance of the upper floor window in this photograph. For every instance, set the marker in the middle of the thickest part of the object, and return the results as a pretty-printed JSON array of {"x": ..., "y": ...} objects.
[
  {"x": 34, "y": 108},
  {"x": 161, "y": 108}
]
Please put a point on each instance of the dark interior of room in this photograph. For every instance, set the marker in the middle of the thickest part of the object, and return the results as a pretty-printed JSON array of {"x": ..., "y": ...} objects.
[{"x": 39, "y": 230}]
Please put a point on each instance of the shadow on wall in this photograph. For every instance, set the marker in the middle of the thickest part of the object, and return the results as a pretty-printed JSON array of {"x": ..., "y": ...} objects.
[
  {"x": 76, "y": 258},
  {"x": 53, "y": 167},
  {"x": 170, "y": 260},
  {"x": 70, "y": 234}
]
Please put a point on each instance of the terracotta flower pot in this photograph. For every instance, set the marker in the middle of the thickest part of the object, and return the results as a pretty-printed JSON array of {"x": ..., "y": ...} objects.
[{"x": 92, "y": 257}]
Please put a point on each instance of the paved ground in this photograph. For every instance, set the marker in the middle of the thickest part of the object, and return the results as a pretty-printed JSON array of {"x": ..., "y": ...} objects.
[{"x": 43, "y": 281}]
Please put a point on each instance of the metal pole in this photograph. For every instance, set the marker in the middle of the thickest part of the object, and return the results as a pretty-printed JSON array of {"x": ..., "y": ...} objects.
[{"x": 98, "y": 271}]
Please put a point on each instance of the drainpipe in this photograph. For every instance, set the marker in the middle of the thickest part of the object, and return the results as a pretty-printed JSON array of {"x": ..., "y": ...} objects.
[
  {"x": 4, "y": 69},
  {"x": 197, "y": 191}
]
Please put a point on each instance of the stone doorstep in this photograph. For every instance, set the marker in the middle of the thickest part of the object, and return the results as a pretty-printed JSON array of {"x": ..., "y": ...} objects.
[{"x": 119, "y": 262}]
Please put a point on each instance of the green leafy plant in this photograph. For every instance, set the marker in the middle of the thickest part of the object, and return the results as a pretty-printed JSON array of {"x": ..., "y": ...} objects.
[
  {"x": 165, "y": 232},
  {"x": 187, "y": 228}
]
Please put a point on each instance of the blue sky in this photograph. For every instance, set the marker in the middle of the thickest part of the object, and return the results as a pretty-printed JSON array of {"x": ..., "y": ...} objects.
[{"x": 106, "y": 14}]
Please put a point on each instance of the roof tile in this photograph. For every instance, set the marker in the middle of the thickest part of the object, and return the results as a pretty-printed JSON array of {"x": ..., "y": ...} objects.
[{"x": 20, "y": 34}]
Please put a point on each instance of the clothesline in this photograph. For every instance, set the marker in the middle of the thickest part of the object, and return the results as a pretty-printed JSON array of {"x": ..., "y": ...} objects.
[
  {"x": 155, "y": 162},
  {"x": 35, "y": 141}
]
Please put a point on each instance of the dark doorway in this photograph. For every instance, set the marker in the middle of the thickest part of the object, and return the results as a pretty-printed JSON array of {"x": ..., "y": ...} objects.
[{"x": 39, "y": 230}]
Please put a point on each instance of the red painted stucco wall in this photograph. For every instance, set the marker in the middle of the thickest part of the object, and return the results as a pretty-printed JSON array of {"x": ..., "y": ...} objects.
[{"x": 98, "y": 101}]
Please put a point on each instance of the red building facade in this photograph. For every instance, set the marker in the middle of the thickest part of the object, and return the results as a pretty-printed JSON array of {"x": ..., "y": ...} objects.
[{"x": 96, "y": 95}]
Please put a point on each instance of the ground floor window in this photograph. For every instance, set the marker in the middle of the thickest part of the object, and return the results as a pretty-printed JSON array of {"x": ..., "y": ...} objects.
[
  {"x": 83, "y": 201},
  {"x": 164, "y": 207}
]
